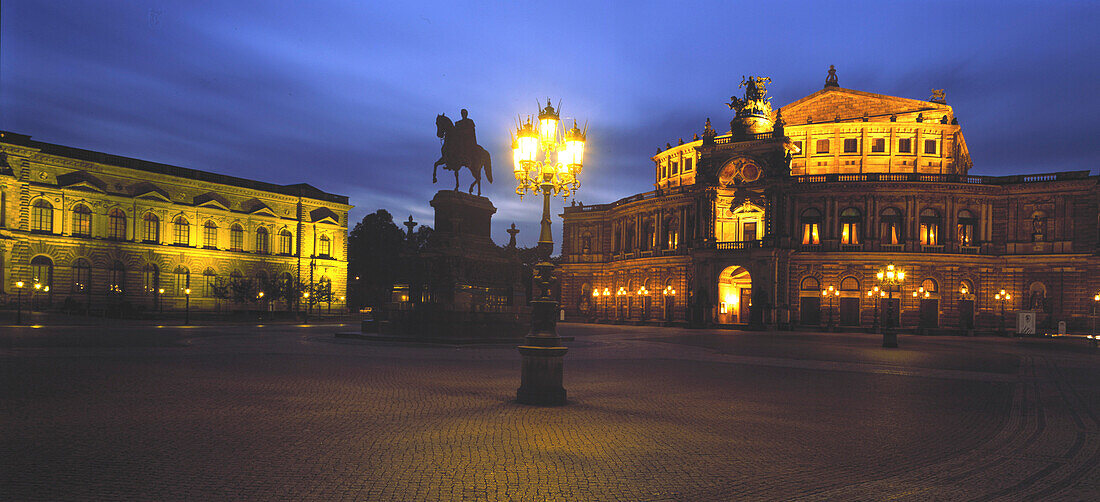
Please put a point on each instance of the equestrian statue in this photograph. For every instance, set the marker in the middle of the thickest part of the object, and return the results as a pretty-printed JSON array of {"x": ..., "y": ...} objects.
[{"x": 460, "y": 149}]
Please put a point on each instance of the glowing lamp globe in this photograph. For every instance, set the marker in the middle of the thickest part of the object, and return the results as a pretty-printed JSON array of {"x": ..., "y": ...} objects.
[{"x": 548, "y": 124}]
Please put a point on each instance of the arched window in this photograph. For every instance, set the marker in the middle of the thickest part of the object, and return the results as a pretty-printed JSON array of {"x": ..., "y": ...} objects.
[
  {"x": 810, "y": 284},
  {"x": 324, "y": 247},
  {"x": 183, "y": 280},
  {"x": 930, "y": 285},
  {"x": 82, "y": 221},
  {"x": 811, "y": 226},
  {"x": 891, "y": 226},
  {"x": 182, "y": 231},
  {"x": 286, "y": 242},
  {"x": 1036, "y": 296},
  {"x": 286, "y": 286},
  {"x": 672, "y": 234},
  {"x": 42, "y": 271},
  {"x": 151, "y": 227},
  {"x": 965, "y": 228},
  {"x": 150, "y": 279},
  {"x": 210, "y": 235},
  {"x": 262, "y": 241},
  {"x": 42, "y": 216},
  {"x": 116, "y": 278},
  {"x": 616, "y": 242},
  {"x": 82, "y": 276},
  {"x": 209, "y": 279},
  {"x": 966, "y": 288},
  {"x": 236, "y": 237},
  {"x": 850, "y": 220},
  {"x": 648, "y": 235},
  {"x": 116, "y": 224},
  {"x": 930, "y": 224},
  {"x": 849, "y": 284}
]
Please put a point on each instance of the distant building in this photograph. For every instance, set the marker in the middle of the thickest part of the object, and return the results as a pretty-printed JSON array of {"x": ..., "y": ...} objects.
[
  {"x": 100, "y": 230},
  {"x": 752, "y": 226}
]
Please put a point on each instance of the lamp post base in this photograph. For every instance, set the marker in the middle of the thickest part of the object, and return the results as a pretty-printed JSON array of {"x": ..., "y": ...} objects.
[
  {"x": 541, "y": 376},
  {"x": 889, "y": 339}
]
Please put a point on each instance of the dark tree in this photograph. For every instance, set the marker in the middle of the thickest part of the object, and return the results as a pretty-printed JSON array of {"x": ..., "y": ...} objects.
[{"x": 374, "y": 249}]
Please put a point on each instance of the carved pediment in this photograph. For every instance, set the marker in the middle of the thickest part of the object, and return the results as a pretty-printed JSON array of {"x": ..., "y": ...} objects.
[
  {"x": 324, "y": 214},
  {"x": 146, "y": 190},
  {"x": 212, "y": 199},
  {"x": 255, "y": 206},
  {"x": 81, "y": 180}
]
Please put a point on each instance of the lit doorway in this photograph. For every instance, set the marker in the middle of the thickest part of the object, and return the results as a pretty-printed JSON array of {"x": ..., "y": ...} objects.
[{"x": 734, "y": 295}]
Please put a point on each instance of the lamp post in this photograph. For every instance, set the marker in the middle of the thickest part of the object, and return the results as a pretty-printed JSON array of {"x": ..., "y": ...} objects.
[
  {"x": 890, "y": 277},
  {"x": 669, "y": 294},
  {"x": 160, "y": 305},
  {"x": 1095, "y": 301},
  {"x": 541, "y": 381},
  {"x": 1002, "y": 296},
  {"x": 875, "y": 294},
  {"x": 187, "y": 306},
  {"x": 606, "y": 301},
  {"x": 643, "y": 297},
  {"x": 309, "y": 305},
  {"x": 829, "y": 294},
  {"x": 34, "y": 297},
  {"x": 18, "y": 302},
  {"x": 595, "y": 302}
]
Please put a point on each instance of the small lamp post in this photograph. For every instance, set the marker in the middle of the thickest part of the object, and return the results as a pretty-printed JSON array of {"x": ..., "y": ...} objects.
[
  {"x": 309, "y": 305},
  {"x": 890, "y": 277},
  {"x": 1095, "y": 301},
  {"x": 669, "y": 293},
  {"x": 643, "y": 297},
  {"x": 619, "y": 300},
  {"x": 595, "y": 302},
  {"x": 541, "y": 380},
  {"x": 263, "y": 303},
  {"x": 160, "y": 305},
  {"x": 34, "y": 295},
  {"x": 1003, "y": 297},
  {"x": 875, "y": 294},
  {"x": 830, "y": 293},
  {"x": 187, "y": 306},
  {"x": 19, "y": 302}
]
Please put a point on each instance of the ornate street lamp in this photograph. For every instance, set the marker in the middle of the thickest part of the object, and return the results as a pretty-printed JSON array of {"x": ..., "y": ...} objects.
[
  {"x": 669, "y": 293},
  {"x": 876, "y": 295},
  {"x": 1003, "y": 297},
  {"x": 829, "y": 294},
  {"x": 542, "y": 356},
  {"x": 890, "y": 277}
]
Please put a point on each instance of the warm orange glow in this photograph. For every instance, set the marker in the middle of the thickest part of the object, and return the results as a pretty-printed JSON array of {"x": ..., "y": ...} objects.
[{"x": 548, "y": 124}]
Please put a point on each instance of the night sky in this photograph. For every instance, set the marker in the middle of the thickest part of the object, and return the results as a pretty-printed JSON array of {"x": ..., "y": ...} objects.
[{"x": 343, "y": 95}]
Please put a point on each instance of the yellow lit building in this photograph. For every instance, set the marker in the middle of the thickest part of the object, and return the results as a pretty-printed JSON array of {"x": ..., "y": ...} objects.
[{"x": 93, "y": 229}]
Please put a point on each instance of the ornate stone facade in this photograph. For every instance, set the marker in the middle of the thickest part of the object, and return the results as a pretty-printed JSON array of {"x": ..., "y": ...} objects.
[
  {"x": 844, "y": 183},
  {"x": 99, "y": 228}
]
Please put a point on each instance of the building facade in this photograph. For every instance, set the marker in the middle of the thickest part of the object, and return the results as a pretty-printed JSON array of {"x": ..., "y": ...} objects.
[
  {"x": 88, "y": 229},
  {"x": 787, "y": 219}
]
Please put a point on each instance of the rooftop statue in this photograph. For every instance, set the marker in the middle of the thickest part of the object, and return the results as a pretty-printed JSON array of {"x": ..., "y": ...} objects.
[
  {"x": 753, "y": 112},
  {"x": 831, "y": 80},
  {"x": 460, "y": 149}
]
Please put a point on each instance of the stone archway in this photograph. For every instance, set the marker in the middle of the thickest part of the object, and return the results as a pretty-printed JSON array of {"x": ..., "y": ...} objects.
[{"x": 734, "y": 295}]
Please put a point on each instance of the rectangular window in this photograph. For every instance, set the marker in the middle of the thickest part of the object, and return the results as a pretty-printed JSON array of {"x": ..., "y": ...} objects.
[
  {"x": 905, "y": 145},
  {"x": 688, "y": 164},
  {"x": 152, "y": 229},
  {"x": 285, "y": 242},
  {"x": 966, "y": 234},
  {"x": 851, "y": 145},
  {"x": 798, "y": 146},
  {"x": 929, "y": 234},
  {"x": 848, "y": 233},
  {"x": 930, "y": 147},
  {"x": 210, "y": 237},
  {"x": 82, "y": 222},
  {"x": 673, "y": 169},
  {"x": 749, "y": 233},
  {"x": 822, "y": 146},
  {"x": 810, "y": 233},
  {"x": 183, "y": 233},
  {"x": 236, "y": 239},
  {"x": 878, "y": 145}
]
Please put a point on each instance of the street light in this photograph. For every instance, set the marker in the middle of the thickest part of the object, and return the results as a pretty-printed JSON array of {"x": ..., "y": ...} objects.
[
  {"x": 829, "y": 294},
  {"x": 1002, "y": 296},
  {"x": 19, "y": 302},
  {"x": 160, "y": 305},
  {"x": 670, "y": 293},
  {"x": 542, "y": 356},
  {"x": 1095, "y": 301},
  {"x": 309, "y": 306},
  {"x": 876, "y": 294},
  {"x": 187, "y": 306},
  {"x": 890, "y": 277}
]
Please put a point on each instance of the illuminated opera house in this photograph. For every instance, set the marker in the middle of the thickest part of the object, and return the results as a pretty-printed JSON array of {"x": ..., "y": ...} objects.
[{"x": 802, "y": 215}]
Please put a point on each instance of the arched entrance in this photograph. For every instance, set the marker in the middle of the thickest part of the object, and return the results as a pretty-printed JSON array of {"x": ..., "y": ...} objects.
[{"x": 734, "y": 295}]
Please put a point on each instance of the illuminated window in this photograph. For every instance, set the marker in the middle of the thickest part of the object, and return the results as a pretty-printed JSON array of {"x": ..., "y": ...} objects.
[
  {"x": 151, "y": 227},
  {"x": 810, "y": 284},
  {"x": 849, "y": 226},
  {"x": 930, "y": 223},
  {"x": 82, "y": 220},
  {"x": 811, "y": 227},
  {"x": 878, "y": 145},
  {"x": 236, "y": 237},
  {"x": 182, "y": 230},
  {"x": 82, "y": 276},
  {"x": 849, "y": 284},
  {"x": 262, "y": 242},
  {"x": 930, "y": 147},
  {"x": 965, "y": 229},
  {"x": 822, "y": 146},
  {"x": 891, "y": 226},
  {"x": 688, "y": 164},
  {"x": 209, "y": 279},
  {"x": 286, "y": 242},
  {"x": 851, "y": 145},
  {"x": 150, "y": 279},
  {"x": 905, "y": 145},
  {"x": 324, "y": 246},
  {"x": 42, "y": 216},
  {"x": 210, "y": 235},
  {"x": 116, "y": 224}
]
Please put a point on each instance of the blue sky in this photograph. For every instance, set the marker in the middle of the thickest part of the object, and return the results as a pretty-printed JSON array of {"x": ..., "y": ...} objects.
[{"x": 343, "y": 95}]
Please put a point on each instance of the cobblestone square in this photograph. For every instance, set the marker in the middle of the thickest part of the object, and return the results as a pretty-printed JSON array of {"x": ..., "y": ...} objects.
[{"x": 290, "y": 413}]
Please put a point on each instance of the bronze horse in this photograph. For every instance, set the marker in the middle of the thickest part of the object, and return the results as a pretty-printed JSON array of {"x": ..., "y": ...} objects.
[{"x": 455, "y": 156}]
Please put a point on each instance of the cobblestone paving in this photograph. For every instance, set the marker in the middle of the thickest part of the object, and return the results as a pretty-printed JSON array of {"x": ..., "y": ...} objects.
[{"x": 655, "y": 414}]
